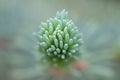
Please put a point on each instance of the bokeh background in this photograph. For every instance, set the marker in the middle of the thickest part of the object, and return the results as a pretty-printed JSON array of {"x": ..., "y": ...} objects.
[{"x": 98, "y": 20}]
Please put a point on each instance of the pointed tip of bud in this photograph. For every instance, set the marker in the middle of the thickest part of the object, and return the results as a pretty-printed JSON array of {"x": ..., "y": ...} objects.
[{"x": 63, "y": 56}]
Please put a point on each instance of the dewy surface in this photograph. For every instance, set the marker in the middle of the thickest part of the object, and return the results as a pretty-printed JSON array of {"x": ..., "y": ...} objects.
[{"x": 59, "y": 40}]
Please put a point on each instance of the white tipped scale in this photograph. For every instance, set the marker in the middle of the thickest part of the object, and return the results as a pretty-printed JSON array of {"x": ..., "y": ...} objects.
[
  {"x": 80, "y": 35},
  {"x": 73, "y": 51},
  {"x": 46, "y": 39},
  {"x": 54, "y": 36},
  {"x": 50, "y": 50},
  {"x": 42, "y": 29},
  {"x": 63, "y": 11},
  {"x": 43, "y": 44},
  {"x": 76, "y": 30},
  {"x": 70, "y": 54},
  {"x": 75, "y": 38},
  {"x": 65, "y": 30},
  {"x": 45, "y": 36},
  {"x": 59, "y": 31},
  {"x": 58, "y": 14},
  {"x": 62, "y": 33},
  {"x": 56, "y": 42},
  {"x": 51, "y": 29},
  {"x": 75, "y": 45},
  {"x": 55, "y": 21},
  {"x": 66, "y": 37},
  {"x": 61, "y": 44},
  {"x": 73, "y": 32},
  {"x": 46, "y": 32},
  {"x": 80, "y": 41},
  {"x": 60, "y": 37},
  {"x": 40, "y": 37},
  {"x": 43, "y": 24},
  {"x": 40, "y": 32},
  {"x": 55, "y": 53},
  {"x": 54, "y": 33},
  {"x": 48, "y": 21},
  {"x": 64, "y": 21},
  {"x": 58, "y": 50},
  {"x": 66, "y": 46},
  {"x": 63, "y": 56},
  {"x": 50, "y": 38},
  {"x": 63, "y": 14},
  {"x": 70, "y": 41},
  {"x": 60, "y": 22},
  {"x": 68, "y": 22},
  {"x": 53, "y": 47},
  {"x": 47, "y": 50},
  {"x": 64, "y": 51},
  {"x": 72, "y": 24},
  {"x": 51, "y": 19},
  {"x": 50, "y": 24},
  {"x": 58, "y": 27}
]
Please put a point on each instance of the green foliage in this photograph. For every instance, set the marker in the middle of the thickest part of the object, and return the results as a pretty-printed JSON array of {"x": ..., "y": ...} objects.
[{"x": 59, "y": 40}]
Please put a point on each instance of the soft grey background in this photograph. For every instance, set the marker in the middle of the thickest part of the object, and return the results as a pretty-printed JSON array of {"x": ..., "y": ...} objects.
[{"x": 98, "y": 20}]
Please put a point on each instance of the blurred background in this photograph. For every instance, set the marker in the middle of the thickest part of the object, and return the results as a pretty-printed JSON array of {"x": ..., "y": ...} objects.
[{"x": 98, "y": 20}]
